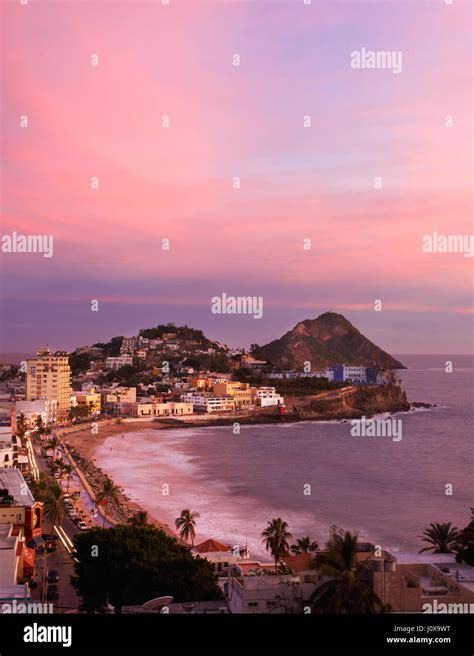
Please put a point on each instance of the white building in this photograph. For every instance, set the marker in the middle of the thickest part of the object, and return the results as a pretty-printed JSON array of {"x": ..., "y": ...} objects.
[
  {"x": 47, "y": 410},
  {"x": 264, "y": 594},
  {"x": 355, "y": 374},
  {"x": 267, "y": 396},
  {"x": 208, "y": 403},
  {"x": 120, "y": 361},
  {"x": 7, "y": 452}
]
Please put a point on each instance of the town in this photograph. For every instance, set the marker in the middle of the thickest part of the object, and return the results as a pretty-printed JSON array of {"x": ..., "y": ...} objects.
[{"x": 54, "y": 501}]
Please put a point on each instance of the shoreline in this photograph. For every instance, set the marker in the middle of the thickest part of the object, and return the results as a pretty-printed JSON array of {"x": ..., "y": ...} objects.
[{"x": 84, "y": 444}]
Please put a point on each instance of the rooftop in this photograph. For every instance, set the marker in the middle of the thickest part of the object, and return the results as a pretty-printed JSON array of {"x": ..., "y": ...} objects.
[
  {"x": 413, "y": 558},
  {"x": 300, "y": 562},
  {"x": 7, "y": 540},
  {"x": 209, "y": 546},
  {"x": 12, "y": 480}
]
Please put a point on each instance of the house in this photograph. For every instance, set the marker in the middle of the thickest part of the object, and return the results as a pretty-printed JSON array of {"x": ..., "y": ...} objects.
[
  {"x": 267, "y": 396},
  {"x": 412, "y": 582},
  {"x": 220, "y": 555},
  {"x": 264, "y": 594}
]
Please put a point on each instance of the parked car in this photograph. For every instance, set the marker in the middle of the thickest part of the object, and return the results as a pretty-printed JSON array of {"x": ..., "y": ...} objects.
[{"x": 53, "y": 576}]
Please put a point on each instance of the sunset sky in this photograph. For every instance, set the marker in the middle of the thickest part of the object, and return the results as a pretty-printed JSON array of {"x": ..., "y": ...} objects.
[{"x": 225, "y": 122}]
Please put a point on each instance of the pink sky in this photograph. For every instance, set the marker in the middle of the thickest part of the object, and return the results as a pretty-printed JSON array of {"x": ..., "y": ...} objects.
[{"x": 228, "y": 121}]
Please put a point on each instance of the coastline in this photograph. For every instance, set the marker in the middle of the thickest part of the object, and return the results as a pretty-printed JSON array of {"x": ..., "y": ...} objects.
[{"x": 84, "y": 443}]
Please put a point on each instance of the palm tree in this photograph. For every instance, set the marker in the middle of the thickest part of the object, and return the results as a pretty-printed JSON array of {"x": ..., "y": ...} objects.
[
  {"x": 139, "y": 519},
  {"x": 21, "y": 427},
  {"x": 441, "y": 538},
  {"x": 54, "y": 504},
  {"x": 67, "y": 469},
  {"x": 346, "y": 591},
  {"x": 186, "y": 523},
  {"x": 108, "y": 492},
  {"x": 276, "y": 537},
  {"x": 304, "y": 545},
  {"x": 53, "y": 444},
  {"x": 39, "y": 425}
]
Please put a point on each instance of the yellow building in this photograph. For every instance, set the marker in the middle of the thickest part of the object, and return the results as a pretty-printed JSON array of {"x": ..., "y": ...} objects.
[
  {"x": 91, "y": 399},
  {"x": 120, "y": 395},
  {"x": 243, "y": 395},
  {"x": 145, "y": 409},
  {"x": 49, "y": 377}
]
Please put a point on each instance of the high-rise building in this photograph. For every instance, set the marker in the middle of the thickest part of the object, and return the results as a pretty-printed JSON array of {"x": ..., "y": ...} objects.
[{"x": 49, "y": 377}]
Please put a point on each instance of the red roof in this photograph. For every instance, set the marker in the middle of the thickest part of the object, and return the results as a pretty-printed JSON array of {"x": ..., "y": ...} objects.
[
  {"x": 300, "y": 562},
  {"x": 211, "y": 545}
]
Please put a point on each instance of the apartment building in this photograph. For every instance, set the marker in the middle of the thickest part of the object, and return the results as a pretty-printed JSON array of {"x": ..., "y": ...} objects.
[
  {"x": 90, "y": 399},
  {"x": 208, "y": 402},
  {"x": 243, "y": 395},
  {"x": 129, "y": 344},
  {"x": 49, "y": 377}
]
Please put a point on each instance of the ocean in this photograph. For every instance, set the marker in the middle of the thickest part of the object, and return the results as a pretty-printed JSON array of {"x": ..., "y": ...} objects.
[{"x": 315, "y": 474}]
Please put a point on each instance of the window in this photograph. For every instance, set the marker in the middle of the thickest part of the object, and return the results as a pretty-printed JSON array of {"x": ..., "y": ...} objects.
[{"x": 252, "y": 604}]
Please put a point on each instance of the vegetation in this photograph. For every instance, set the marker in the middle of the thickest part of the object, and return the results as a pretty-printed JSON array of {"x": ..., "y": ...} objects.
[
  {"x": 133, "y": 564},
  {"x": 441, "y": 538},
  {"x": 345, "y": 591},
  {"x": 465, "y": 543},
  {"x": 186, "y": 524},
  {"x": 54, "y": 504},
  {"x": 21, "y": 428},
  {"x": 139, "y": 519},
  {"x": 275, "y": 538},
  {"x": 109, "y": 492},
  {"x": 78, "y": 412},
  {"x": 304, "y": 545}
]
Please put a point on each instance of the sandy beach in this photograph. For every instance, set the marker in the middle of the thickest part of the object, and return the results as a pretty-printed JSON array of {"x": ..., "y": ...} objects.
[{"x": 83, "y": 442}]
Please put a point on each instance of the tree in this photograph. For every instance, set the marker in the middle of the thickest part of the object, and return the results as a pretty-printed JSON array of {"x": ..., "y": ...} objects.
[
  {"x": 441, "y": 538},
  {"x": 304, "y": 545},
  {"x": 345, "y": 591},
  {"x": 68, "y": 470},
  {"x": 132, "y": 564},
  {"x": 465, "y": 543},
  {"x": 139, "y": 519},
  {"x": 275, "y": 538},
  {"x": 54, "y": 504},
  {"x": 39, "y": 425},
  {"x": 186, "y": 524},
  {"x": 108, "y": 492},
  {"x": 21, "y": 427}
]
